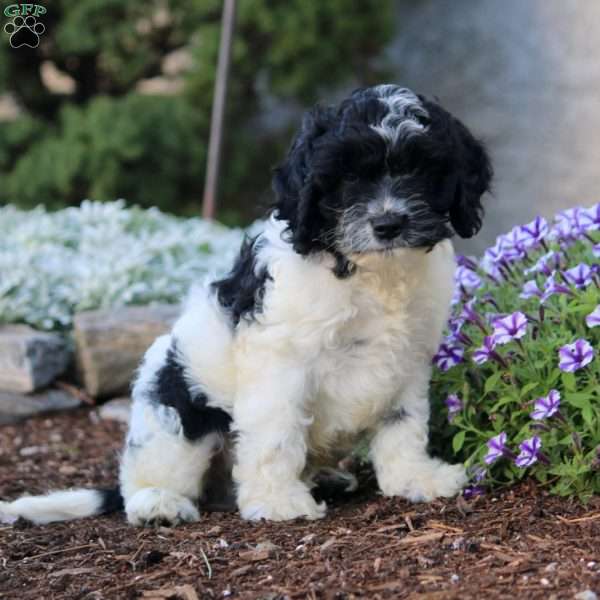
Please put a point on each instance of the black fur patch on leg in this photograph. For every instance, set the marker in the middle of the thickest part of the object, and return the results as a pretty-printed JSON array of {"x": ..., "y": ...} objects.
[{"x": 197, "y": 418}]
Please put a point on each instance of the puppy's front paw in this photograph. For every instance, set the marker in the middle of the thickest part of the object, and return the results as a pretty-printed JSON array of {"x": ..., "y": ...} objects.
[
  {"x": 153, "y": 506},
  {"x": 423, "y": 481},
  {"x": 282, "y": 507}
]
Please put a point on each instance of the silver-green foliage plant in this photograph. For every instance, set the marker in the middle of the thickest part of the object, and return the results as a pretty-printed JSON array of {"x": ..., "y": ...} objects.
[
  {"x": 53, "y": 264},
  {"x": 518, "y": 375}
]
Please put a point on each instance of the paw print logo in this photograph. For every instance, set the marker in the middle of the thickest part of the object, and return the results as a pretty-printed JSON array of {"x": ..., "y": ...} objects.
[{"x": 24, "y": 31}]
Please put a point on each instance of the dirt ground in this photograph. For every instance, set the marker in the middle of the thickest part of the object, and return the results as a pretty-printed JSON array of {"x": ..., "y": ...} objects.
[{"x": 520, "y": 543}]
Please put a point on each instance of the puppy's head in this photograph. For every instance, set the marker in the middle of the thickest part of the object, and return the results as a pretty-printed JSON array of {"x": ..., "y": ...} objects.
[{"x": 385, "y": 169}]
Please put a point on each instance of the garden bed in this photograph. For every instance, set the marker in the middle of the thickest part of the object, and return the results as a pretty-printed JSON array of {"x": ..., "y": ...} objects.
[{"x": 518, "y": 543}]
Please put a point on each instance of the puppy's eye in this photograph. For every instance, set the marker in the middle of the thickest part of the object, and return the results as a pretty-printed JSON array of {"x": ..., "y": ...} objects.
[
  {"x": 423, "y": 120},
  {"x": 351, "y": 178}
]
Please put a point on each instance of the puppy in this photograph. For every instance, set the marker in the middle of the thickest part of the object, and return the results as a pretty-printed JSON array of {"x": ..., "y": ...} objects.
[{"x": 323, "y": 331}]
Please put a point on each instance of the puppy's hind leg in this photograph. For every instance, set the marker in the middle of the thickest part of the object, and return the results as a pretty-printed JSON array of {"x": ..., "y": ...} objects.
[
  {"x": 162, "y": 478},
  {"x": 172, "y": 439}
]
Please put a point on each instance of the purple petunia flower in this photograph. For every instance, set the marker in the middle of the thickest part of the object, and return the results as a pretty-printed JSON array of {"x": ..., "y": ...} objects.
[
  {"x": 456, "y": 296},
  {"x": 530, "y": 449},
  {"x": 496, "y": 448},
  {"x": 515, "y": 244},
  {"x": 593, "y": 319},
  {"x": 492, "y": 270},
  {"x": 466, "y": 261},
  {"x": 485, "y": 352},
  {"x": 552, "y": 287},
  {"x": 546, "y": 406},
  {"x": 534, "y": 232},
  {"x": 467, "y": 278},
  {"x": 454, "y": 405},
  {"x": 569, "y": 224},
  {"x": 448, "y": 356},
  {"x": 471, "y": 315},
  {"x": 575, "y": 356},
  {"x": 590, "y": 218},
  {"x": 545, "y": 264},
  {"x": 530, "y": 290},
  {"x": 500, "y": 252},
  {"x": 476, "y": 473},
  {"x": 511, "y": 327},
  {"x": 580, "y": 276},
  {"x": 455, "y": 324},
  {"x": 596, "y": 250},
  {"x": 473, "y": 491}
]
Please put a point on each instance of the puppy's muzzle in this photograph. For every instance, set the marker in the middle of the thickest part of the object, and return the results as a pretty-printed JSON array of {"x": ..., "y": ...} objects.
[{"x": 389, "y": 226}]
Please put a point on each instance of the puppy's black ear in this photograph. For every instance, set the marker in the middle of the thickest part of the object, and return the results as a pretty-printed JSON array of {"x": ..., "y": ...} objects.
[
  {"x": 471, "y": 180},
  {"x": 297, "y": 192}
]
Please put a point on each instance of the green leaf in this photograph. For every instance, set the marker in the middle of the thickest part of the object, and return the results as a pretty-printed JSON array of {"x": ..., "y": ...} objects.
[
  {"x": 578, "y": 399},
  {"x": 491, "y": 382},
  {"x": 458, "y": 441},
  {"x": 588, "y": 414},
  {"x": 568, "y": 380},
  {"x": 527, "y": 388}
]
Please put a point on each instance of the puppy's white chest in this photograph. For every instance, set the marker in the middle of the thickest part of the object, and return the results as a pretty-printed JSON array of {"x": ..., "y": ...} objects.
[{"x": 358, "y": 377}]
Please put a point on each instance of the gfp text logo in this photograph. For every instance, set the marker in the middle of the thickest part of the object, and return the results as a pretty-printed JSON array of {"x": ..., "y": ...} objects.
[{"x": 24, "y": 29}]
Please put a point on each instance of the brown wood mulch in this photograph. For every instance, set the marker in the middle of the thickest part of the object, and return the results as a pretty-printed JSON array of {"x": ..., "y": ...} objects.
[{"x": 520, "y": 543}]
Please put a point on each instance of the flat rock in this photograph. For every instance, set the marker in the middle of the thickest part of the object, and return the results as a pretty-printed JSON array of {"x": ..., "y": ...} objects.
[
  {"x": 30, "y": 359},
  {"x": 110, "y": 344},
  {"x": 15, "y": 407},
  {"x": 118, "y": 409}
]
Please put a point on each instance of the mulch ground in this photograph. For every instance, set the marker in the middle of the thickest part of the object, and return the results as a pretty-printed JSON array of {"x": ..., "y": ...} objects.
[{"x": 521, "y": 543}]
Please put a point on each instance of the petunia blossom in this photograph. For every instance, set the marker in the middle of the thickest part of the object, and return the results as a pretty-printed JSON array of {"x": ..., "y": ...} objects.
[
  {"x": 454, "y": 405},
  {"x": 551, "y": 287},
  {"x": 580, "y": 276},
  {"x": 496, "y": 448},
  {"x": 530, "y": 450},
  {"x": 569, "y": 224},
  {"x": 593, "y": 319},
  {"x": 590, "y": 218},
  {"x": 596, "y": 250},
  {"x": 515, "y": 244},
  {"x": 534, "y": 232},
  {"x": 530, "y": 290},
  {"x": 472, "y": 491},
  {"x": 466, "y": 261},
  {"x": 575, "y": 356},
  {"x": 545, "y": 264},
  {"x": 546, "y": 406},
  {"x": 467, "y": 278},
  {"x": 449, "y": 355},
  {"x": 485, "y": 352},
  {"x": 455, "y": 335},
  {"x": 511, "y": 327},
  {"x": 476, "y": 473}
]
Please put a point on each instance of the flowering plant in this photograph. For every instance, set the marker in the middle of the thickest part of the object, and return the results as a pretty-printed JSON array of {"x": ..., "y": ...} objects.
[
  {"x": 101, "y": 255},
  {"x": 518, "y": 373}
]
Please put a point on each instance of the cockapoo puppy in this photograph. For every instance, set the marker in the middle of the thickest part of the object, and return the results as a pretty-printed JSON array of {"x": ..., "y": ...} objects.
[{"x": 323, "y": 332}]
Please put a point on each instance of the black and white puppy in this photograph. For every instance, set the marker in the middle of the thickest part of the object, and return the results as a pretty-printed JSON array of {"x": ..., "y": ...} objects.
[{"x": 323, "y": 331}]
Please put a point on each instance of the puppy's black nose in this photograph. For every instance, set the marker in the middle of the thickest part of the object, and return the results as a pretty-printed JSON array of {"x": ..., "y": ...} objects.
[{"x": 389, "y": 226}]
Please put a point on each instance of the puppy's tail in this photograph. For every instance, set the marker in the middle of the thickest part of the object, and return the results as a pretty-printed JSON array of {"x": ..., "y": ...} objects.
[{"x": 62, "y": 506}]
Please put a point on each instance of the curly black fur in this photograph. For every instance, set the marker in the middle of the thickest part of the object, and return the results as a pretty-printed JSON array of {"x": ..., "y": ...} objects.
[
  {"x": 338, "y": 157},
  {"x": 197, "y": 418},
  {"x": 242, "y": 291}
]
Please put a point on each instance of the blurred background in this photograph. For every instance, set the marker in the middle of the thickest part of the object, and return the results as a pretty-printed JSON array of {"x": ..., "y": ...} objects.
[{"x": 115, "y": 101}]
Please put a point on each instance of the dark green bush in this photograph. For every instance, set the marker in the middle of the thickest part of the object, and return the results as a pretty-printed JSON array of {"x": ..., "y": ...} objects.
[{"x": 131, "y": 146}]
